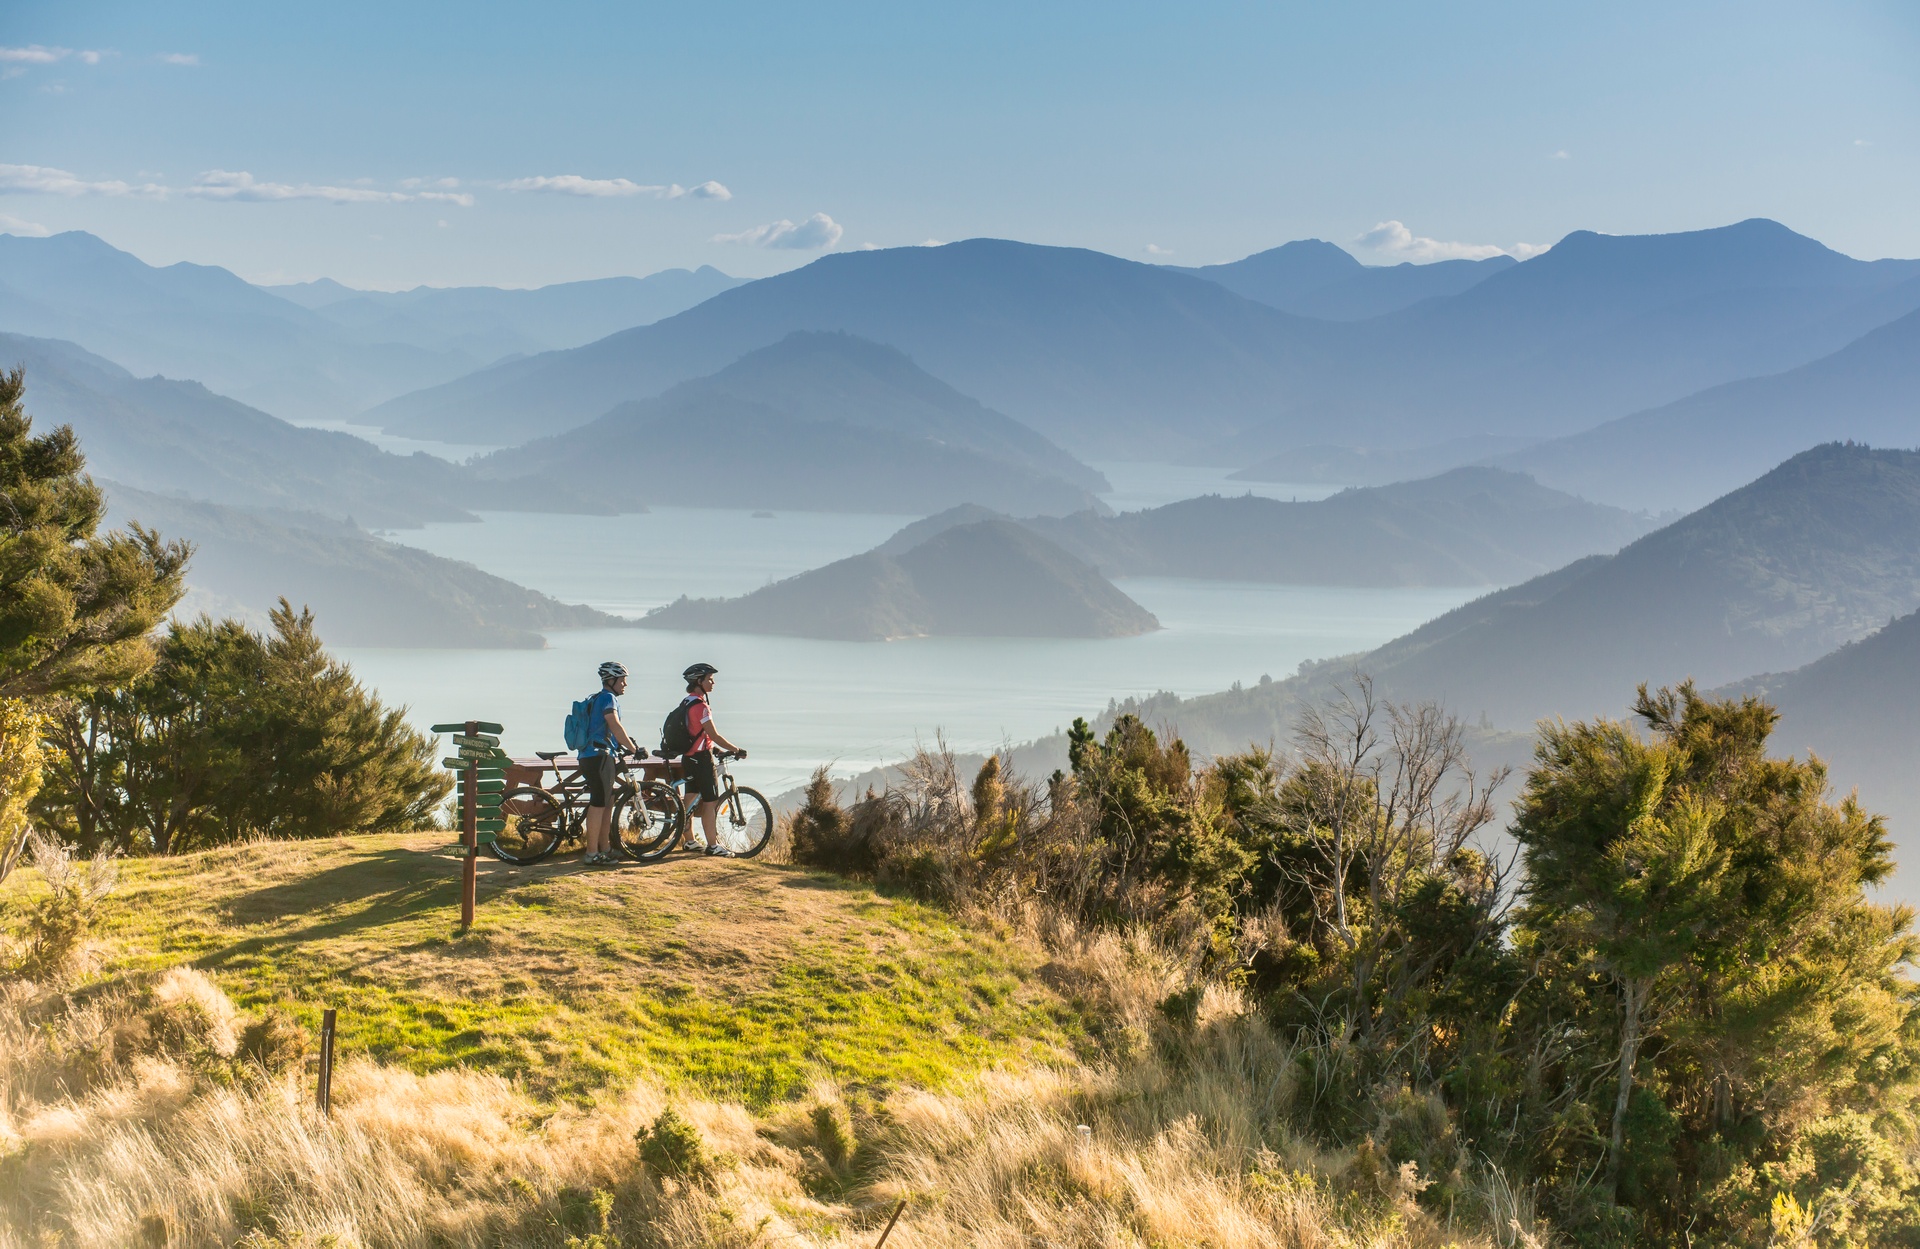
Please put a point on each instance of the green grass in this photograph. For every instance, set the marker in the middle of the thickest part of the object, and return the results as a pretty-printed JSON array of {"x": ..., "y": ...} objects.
[{"x": 742, "y": 980}]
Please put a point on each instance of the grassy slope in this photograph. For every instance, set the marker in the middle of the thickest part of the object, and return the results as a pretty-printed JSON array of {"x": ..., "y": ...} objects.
[{"x": 741, "y": 980}]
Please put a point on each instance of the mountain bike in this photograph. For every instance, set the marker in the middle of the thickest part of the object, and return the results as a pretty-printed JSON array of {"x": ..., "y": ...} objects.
[
  {"x": 537, "y": 820},
  {"x": 744, "y": 824}
]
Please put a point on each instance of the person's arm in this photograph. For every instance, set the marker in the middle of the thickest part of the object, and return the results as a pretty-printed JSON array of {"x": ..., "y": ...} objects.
[
  {"x": 619, "y": 731},
  {"x": 707, "y": 726}
]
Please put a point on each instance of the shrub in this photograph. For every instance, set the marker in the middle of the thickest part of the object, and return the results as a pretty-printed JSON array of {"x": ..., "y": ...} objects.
[
  {"x": 833, "y": 1132},
  {"x": 673, "y": 1146},
  {"x": 274, "y": 1041},
  {"x": 59, "y": 923}
]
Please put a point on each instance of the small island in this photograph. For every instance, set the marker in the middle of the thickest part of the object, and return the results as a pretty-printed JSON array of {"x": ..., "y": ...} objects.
[{"x": 989, "y": 578}]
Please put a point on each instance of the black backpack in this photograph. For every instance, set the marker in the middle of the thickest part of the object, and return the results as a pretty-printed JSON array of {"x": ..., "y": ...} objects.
[{"x": 675, "y": 736}]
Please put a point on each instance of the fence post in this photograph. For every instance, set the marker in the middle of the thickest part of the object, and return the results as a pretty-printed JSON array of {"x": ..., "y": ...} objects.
[
  {"x": 890, "y": 1222},
  {"x": 469, "y": 814},
  {"x": 324, "y": 1095}
]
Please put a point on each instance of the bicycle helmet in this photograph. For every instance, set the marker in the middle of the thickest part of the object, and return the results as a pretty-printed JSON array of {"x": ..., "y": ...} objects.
[
  {"x": 612, "y": 670},
  {"x": 699, "y": 672}
]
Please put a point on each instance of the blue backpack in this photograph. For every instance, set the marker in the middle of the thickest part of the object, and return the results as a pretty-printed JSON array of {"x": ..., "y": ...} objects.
[{"x": 578, "y": 730}]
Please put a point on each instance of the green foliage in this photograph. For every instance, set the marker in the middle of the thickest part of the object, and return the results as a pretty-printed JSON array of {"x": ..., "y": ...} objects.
[
  {"x": 20, "y": 762},
  {"x": 75, "y": 605},
  {"x": 231, "y": 735},
  {"x": 60, "y": 920},
  {"x": 833, "y": 1132},
  {"x": 674, "y": 1147},
  {"x": 1696, "y": 1028},
  {"x": 1699, "y": 910}
]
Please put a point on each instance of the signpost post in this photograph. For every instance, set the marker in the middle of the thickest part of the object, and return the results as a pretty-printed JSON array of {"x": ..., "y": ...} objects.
[{"x": 479, "y": 760}]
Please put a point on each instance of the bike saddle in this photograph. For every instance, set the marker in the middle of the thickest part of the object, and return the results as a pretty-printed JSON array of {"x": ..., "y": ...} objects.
[{"x": 548, "y": 755}]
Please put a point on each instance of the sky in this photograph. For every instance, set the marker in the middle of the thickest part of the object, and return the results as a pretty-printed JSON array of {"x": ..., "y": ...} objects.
[{"x": 394, "y": 144}]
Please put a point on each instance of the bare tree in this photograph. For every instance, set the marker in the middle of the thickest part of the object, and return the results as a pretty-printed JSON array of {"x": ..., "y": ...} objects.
[{"x": 1391, "y": 801}]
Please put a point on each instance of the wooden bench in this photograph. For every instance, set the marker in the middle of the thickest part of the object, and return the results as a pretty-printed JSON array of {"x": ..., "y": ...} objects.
[{"x": 532, "y": 769}]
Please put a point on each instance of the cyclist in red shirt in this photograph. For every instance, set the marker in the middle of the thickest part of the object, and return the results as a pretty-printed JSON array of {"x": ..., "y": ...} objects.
[{"x": 703, "y": 775}]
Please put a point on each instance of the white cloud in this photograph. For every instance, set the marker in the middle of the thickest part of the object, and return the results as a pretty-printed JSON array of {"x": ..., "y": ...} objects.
[
  {"x": 615, "y": 188},
  {"x": 1559, "y": 155},
  {"x": 43, "y": 180},
  {"x": 1863, "y": 142},
  {"x": 1396, "y": 241},
  {"x": 179, "y": 58},
  {"x": 228, "y": 185},
  {"x": 1154, "y": 249},
  {"x": 35, "y": 54},
  {"x": 30, "y": 229},
  {"x": 815, "y": 232}
]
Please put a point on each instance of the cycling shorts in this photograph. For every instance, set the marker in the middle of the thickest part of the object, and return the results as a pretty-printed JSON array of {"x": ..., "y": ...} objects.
[
  {"x": 598, "y": 771},
  {"x": 703, "y": 775}
]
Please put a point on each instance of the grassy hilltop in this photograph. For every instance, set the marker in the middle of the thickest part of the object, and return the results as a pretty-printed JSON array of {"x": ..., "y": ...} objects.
[
  {"x": 743, "y": 982},
  {"x": 690, "y": 1054}
]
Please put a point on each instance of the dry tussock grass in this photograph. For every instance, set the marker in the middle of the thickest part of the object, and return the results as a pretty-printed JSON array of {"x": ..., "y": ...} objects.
[{"x": 133, "y": 1116}]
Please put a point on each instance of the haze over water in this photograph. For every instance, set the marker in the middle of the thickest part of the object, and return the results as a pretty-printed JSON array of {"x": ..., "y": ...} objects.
[{"x": 797, "y": 703}]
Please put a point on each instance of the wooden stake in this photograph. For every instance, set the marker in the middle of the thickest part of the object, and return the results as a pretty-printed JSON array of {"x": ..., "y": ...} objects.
[
  {"x": 324, "y": 1095},
  {"x": 890, "y": 1222},
  {"x": 469, "y": 871}
]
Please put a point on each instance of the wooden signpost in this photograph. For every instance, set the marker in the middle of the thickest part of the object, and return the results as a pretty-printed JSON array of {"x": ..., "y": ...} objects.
[{"x": 481, "y": 766}]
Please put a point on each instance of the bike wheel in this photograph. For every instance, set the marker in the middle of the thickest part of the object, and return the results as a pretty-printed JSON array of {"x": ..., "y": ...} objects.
[
  {"x": 745, "y": 822},
  {"x": 647, "y": 822},
  {"x": 535, "y": 821}
]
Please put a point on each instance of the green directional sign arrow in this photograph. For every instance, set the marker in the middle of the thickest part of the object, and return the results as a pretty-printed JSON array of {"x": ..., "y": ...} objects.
[
  {"x": 479, "y": 726},
  {"x": 485, "y": 741}
]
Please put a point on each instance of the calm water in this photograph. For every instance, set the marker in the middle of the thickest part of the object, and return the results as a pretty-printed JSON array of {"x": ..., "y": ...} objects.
[{"x": 798, "y": 703}]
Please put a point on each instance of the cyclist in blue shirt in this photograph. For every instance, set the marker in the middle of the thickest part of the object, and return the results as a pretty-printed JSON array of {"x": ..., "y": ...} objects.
[{"x": 598, "y": 761}]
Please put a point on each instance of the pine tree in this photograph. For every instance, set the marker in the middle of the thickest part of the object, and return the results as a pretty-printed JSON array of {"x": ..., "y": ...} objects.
[{"x": 76, "y": 605}]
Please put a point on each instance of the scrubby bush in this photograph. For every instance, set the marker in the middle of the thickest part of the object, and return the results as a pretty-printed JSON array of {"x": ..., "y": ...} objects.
[
  {"x": 59, "y": 921},
  {"x": 1696, "y": 1027},
  {"x": 673, "y": 1147},
  {"x": 833, "y": 1133},
  {"x": 273, "y": 1041}
]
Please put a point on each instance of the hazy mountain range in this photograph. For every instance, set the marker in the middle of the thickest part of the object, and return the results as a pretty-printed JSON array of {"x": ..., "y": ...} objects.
[
  {"x": 1819, "y": 552},
  {"x": 1378, "y": 466},
  {"x": 181, "y": 438},
  {"x": 364, "y": 591},
  {"x": 1469, "y": 526},
  {"x": 323, "y": 362},
  {"x": 1684, "y": 453},
  {"x": 488, "y": 323},
  {"x": 1859, "y": 709},
  {"x": 983, "y": 578},
  {"x": 1314, "y": 278},
  {"x": 821, "y": 421},
  {"x": 1112, "y": 358}
]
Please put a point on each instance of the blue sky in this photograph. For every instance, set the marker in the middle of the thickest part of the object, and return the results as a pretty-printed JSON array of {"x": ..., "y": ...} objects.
[{"x": 517, "y": 144}]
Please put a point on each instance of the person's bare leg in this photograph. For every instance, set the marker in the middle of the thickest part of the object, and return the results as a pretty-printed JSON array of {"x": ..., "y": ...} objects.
[
  {"x": 598, "y": 819},
  {"x": 709, "y": 822}
]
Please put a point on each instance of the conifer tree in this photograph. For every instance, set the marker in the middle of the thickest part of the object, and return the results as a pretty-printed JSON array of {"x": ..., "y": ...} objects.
[{"x": 76, "y": 605}]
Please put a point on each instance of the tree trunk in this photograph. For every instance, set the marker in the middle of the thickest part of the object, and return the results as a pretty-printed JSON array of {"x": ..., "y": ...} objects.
[{"x": 1632, "y": 1008}]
